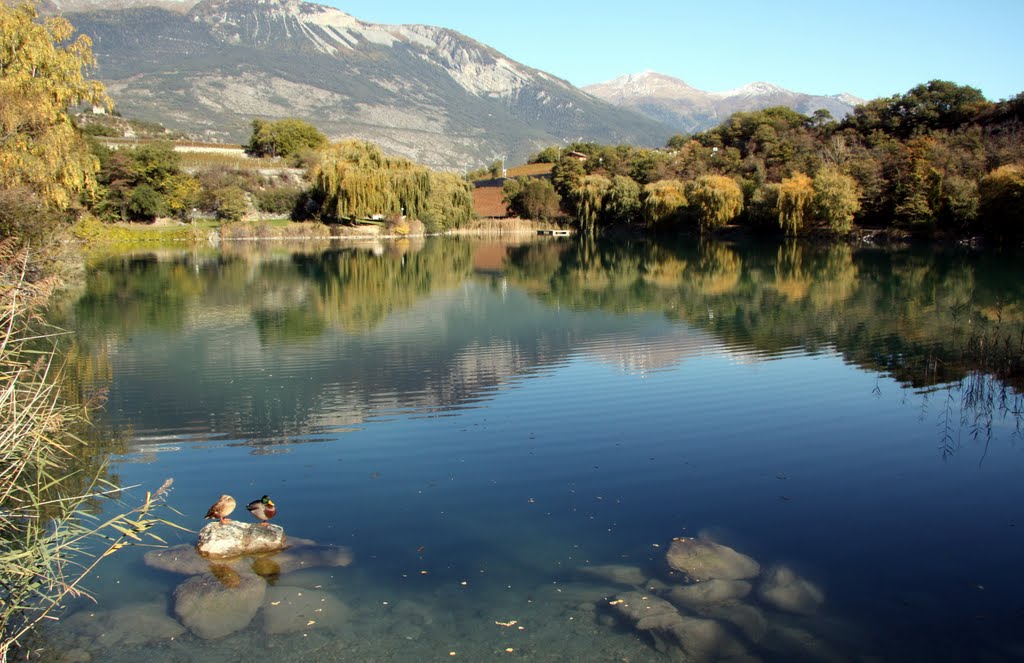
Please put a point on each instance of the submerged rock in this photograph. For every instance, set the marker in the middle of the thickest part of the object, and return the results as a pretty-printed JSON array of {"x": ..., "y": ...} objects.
[
  {"x": 310, "y": 555},
  {"x": 617, "y": 573},
  {"x": 297, "y": 609},
  {"x": 183, "y": 559},
  {"x": 134, "y": 624},
  {"x": 702, "y": 559},
  {"x": 210, "y": 609},
  {"x": 709, "y": 593},
  {"x": 233, "y": 539},
  {"x": 679, "y": 636},
  {"x": 746, "y": 618},
  {"x": 782, "y": 588}
]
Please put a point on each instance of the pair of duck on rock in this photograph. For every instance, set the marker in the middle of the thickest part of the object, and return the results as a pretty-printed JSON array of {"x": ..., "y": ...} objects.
[{"x": 263, "y": 508}]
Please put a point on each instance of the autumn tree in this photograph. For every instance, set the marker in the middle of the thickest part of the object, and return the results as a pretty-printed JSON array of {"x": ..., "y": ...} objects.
[
  {"x": 836, "y": 199},
  {"x": 41, "y": 76},
  {"x": 356, "y": 179},
  {"x": 715, "y": 199},
  {"x": 796, "y": 194},
  {"x": 663, "y": 201},
  {"x": 1002, "y": 200}
]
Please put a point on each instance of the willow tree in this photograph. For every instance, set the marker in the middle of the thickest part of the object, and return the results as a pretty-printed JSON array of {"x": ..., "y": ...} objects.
[
  {"x": 663, "y": 200},
  {"x": 356, "y": 179},
  {"x": 449, "y": 203},
  {"x": 836, "y": 199},
  {"x": 716, "y": 200},
  {"x": 796, "y": 193},
  {"x": 41, "y": 76},
  {"x": 589, "y": 196}
]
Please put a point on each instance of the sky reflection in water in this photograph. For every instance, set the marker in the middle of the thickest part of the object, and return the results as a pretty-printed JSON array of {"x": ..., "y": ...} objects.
[{"x": 501, "y": 422}]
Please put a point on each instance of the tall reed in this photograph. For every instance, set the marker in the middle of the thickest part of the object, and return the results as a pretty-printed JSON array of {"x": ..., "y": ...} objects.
[{"x": 49, "y": 540}]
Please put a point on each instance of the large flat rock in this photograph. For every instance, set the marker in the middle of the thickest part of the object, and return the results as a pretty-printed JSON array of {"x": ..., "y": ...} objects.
[{"x": 232, "y": 539}]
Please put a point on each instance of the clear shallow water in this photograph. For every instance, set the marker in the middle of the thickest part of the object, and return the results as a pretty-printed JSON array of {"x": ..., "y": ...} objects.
[{"x": 479, "y": 422}]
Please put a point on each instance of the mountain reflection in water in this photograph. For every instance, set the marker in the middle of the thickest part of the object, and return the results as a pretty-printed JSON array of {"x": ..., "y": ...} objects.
[{"x": 511, "y": 416}]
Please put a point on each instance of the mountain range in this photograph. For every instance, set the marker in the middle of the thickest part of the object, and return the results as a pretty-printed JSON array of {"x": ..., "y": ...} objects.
[
  {"x": 428, "y": 93},
  {"x": 687, "y": 109}
]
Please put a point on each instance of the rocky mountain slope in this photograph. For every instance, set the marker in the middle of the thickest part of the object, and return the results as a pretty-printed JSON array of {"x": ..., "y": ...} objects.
[
  {"x": 687, "y": 109},
  {"x": 428, "y": 93}
]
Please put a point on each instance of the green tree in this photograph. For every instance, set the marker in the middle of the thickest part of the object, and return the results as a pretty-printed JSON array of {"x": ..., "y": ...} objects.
[
  {"x": 622, "y": 202},
  {"x": 155, "y": 163},
  {"x": 566, "y": 176},
  {"x": 931, "y": 106},
  {"x": 539, "y": 200},
  {"x": 836, "y": 199},
  {"x": 231, "y": 203},
  {"x": 449, "y": 202},
  {"x": 663, "y": 201},
  {"x": 715, "y": 199},
  {"x": 41, "y": 76},
  {"x": 547, "y": 155},
  {"x": 145, "y": 203},
  {"x": 284, "y": 138},
  {"x": 589, "y": 197},
  {"x": 796, "y": 194}
]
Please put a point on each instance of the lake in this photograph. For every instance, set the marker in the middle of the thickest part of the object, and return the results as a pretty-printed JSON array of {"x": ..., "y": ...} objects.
[{"x": 508, "y": 446}]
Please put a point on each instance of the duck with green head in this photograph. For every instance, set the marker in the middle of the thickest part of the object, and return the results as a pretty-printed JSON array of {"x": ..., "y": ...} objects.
[{"x": 263, "y": 508}]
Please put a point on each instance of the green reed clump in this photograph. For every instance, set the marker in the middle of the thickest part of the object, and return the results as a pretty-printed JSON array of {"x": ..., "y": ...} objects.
[{"x": 48, "y": 539}]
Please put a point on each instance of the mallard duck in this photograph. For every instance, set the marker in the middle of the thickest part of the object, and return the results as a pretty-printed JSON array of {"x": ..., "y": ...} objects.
[
  {"x": 223, "y": 506},
  {"x": 263, "y": 509}
]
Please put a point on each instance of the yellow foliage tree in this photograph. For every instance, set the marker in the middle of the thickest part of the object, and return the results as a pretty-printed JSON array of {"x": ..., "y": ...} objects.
[
  {"x": 716, "y": 199},
  {"x": 836, "y": 199},
  {"x": 796, "y": 194},
  {"x": 663, "y": 200},
  {"x": 41, "y": 76},
  {"x": 356, "y": 179}
]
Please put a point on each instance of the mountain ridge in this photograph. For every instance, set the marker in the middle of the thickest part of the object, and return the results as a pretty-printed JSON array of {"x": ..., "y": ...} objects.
[
  {"x": 432, "y": 94},
  {"x": 428, "y": 93},
  {"x": 688, "y": 109}
]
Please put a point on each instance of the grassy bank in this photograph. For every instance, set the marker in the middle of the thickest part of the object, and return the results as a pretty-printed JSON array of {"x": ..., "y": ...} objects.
[{"x": 49, "y": 477}]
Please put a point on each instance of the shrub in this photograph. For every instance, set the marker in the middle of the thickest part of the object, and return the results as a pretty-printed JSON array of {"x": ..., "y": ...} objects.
[{"x": 277, "y": 200}]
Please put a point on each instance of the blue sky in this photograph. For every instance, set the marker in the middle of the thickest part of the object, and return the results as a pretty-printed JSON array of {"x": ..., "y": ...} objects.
[{"x": 870, "y": 48}]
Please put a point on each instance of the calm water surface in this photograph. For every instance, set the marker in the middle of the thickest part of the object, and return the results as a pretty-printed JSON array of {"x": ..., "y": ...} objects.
[{"x": 480, "y": 422}]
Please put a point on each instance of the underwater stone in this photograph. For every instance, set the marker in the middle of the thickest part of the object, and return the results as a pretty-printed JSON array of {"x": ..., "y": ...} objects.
[
  {"x": 223, "y": 540},
  {"x": 297, "y": 609},
  {"x": 186, "y": 560},
  {"x": 678, "y": 636},
  {"x": 748, "y": 619},
  {"x": 710, "y": 592},
  {"x": 617, "y": 573},
  {"x": 702, "y": 559},
  {"x": 782, "y": 588},
  {"x": 134, "y": 624},
  {"x": 211, "y": 609},
  {"x": 310, "y": 555}
]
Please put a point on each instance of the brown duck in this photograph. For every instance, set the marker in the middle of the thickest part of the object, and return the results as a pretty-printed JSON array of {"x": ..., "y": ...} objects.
[
  {"x": 263, "y": 509},
  {"x": 221, "y": 509}
]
